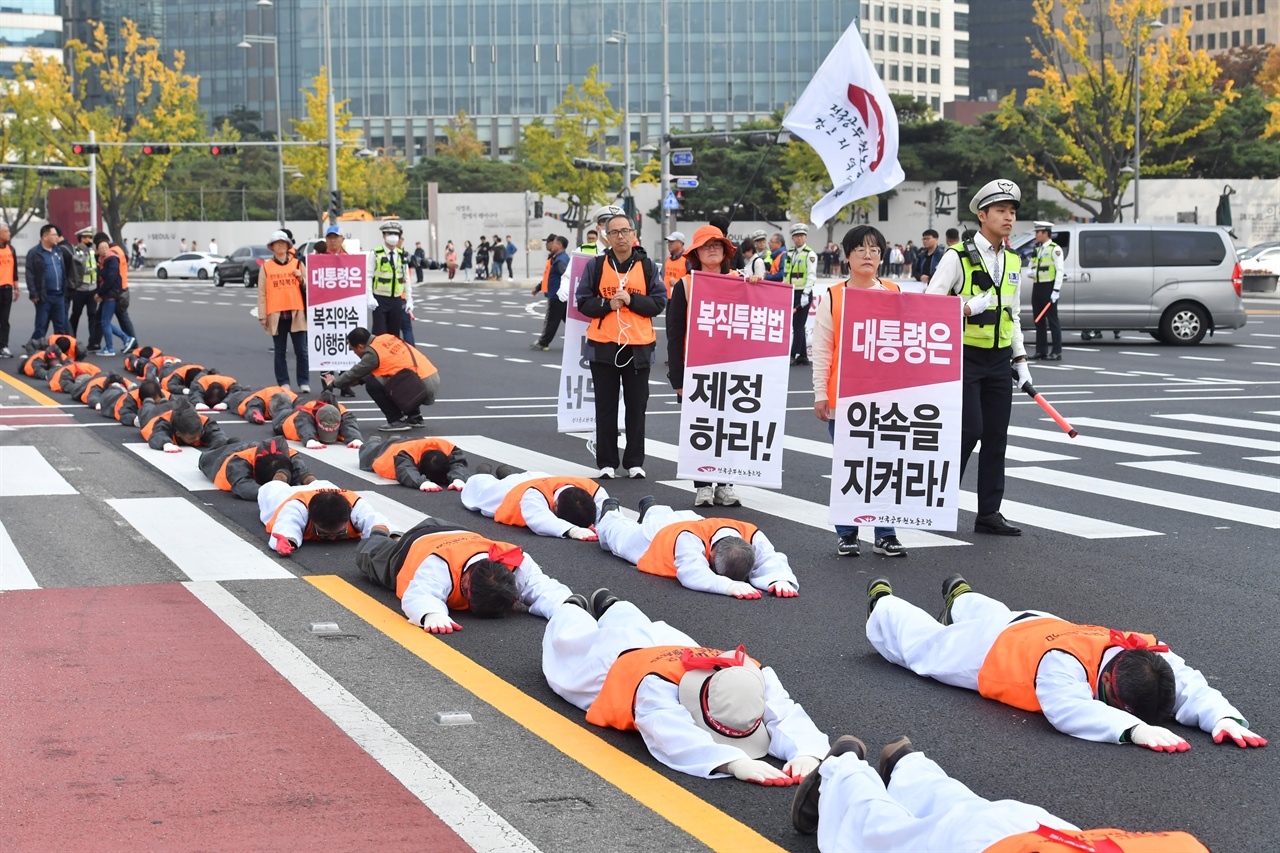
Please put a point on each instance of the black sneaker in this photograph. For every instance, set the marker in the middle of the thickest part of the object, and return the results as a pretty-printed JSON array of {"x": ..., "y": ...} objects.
[
  {"x": 891, "y": 754},
  {"x": 346, "y": 392},
  {"x": 645, "y": 502},
  {"x": 602, "y": 600},
  {"x": 401, "y": 425},
  {"x": 877, "y": 588},
  {"x": 804, "y": 806},
  {"x": 994, "y": 523},
  {"x": 890, "y": 547},
  {"x": 953, "y": 587},
  {"x": 505, "y": 471},
  {"x": 484, "y": 468},
  {"x": 579, "y": 600},
  {"x": 417, "y": 421},
  {"x": 847, "y": 545},
  {"x": 610, "y": 505}
]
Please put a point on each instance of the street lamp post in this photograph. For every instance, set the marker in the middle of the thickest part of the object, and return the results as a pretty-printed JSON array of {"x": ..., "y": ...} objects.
[
  {"x": 1137, "y": 111},
  {"x": 331, "y": 114},
  {"x": 664, "y": 147},
  {"x": 246, "y": 44},
  {"x": 619, "y": 37}
]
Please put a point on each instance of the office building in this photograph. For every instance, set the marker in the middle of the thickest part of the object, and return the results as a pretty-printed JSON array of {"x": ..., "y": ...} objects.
[
  {"x": 920, "y": 48},
  {"x": 1001, "y": 33},
  {"x": 1219, "y": 26},
  {"x": 27, "y": 25}
]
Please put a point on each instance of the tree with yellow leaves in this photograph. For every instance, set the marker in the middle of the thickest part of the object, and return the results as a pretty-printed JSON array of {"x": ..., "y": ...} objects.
[
  {"x": 147, "y": 100},
  {"x": 461, "y": 141},
  {"x": 1269, "y": 80},
  {"x": 1076, "y": 131}
]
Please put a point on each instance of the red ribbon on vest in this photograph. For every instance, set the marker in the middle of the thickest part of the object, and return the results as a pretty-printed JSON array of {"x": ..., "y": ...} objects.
[
  {"x": 512, "y": 558},
  {"x": 1133, "y": 641},
  {"x": 1101, "y": 845},
  {"x": 691, "y": 661}
]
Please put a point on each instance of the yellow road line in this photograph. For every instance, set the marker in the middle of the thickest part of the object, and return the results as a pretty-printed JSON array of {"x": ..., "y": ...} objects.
[
  {"x": 695, "y": 816},
  {"x": 19, "y": 385},
  {"x": 1261, "y": 311}
]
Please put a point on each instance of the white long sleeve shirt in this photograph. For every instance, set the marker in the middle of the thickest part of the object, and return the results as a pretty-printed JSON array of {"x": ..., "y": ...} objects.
[
  {"x": 292, "y": 521},
  {"x": 675, "y": 740},
  {"x": 948, "y": 278},
  {"x": 431, "y": 585},
  {"x": 486, "y": 494},
  {"x": 1045, "y": 250},
  {"x": 694, "y": 572}
]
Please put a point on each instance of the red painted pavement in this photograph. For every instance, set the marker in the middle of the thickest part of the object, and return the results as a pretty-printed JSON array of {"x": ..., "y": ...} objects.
[{"x": 132, "y": 718}]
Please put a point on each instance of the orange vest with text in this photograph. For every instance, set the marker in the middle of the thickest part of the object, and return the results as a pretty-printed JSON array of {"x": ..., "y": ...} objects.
[
  {"x": 609, "y": 328},
  {"x": 306, "y": 410},
  {"x": 395, "y": 355},
  {"x": 265, "y": 396},
  {"x": 249, "y": 454},
  {"x": 1008, "y": 672},
  {"x": 63, "y": 377},
  {"x": 283, "y": 291},
  {"x": 835, "y": 295},
  {"x": 305, "y": 497},
  {"x": 615, "y": 707},
  {"x": 150, "y": 425},
  {"x": 8, "y": 267},
  {"x": 509, "y": 510},
  {"x": 456, "y": 548},
  {"x": 1099, "y": 840},
  {"x": 660, "y": 557},
  {"x": 385, "y": 464},
  {"x": 674, "y": 270},
  {"x": 124, "y": 266}
]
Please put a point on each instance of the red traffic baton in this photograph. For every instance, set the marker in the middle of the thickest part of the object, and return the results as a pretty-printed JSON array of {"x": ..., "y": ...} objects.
[
  {"x": 1049, "y": 410},
  {"x": 1043, "y": 311}
]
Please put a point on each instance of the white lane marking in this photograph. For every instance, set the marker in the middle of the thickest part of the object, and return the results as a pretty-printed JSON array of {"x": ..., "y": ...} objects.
[
  {"x": 200, "y": 547},
  {"x": 464, "y": 325},
  {"x": 1194, "y": 504},
  {"x": 426, "y": 345},
  {"x": 222, "y": 303},
  {"x": 516, "y": 331},
  {"x": 477, "y": 824},
  {"x": 341, "y": 457},
  {"x": 1274, "y": 460},
  {"x": 552, "y": 366},
  {"x": 1263, "y": 335},
  {"x": 399, "y": 516},
  {"x": 1275, "y": 414},
  {"x": 181, "y": 467},
  {"x": 1143, "y": 354},
  {"x": 1214, "y": 420},
  {"x": 1148, "y": 373},
  {"x": 511, "y": 454},
  {"x": 517, "y": 360},
  {"x": 527, "y": 406},
  {"x": 1058, "y": 521},
  {"x": 1018, "y": 454},
  {"x": 1267, "y": 363},
  {"x": 1184, "y": 434},
  {"x": 1113, "y": 373},
  {"x": 452, "y": 349},
  {"x": 495, "y": 329},
  {"x": 1082, "y": 349},
  {"x": 1113, "y": 445},
  {"x": 484, "y": 355},
  {"x": 175, "y": 300},
  {"x": 1199, "y": 358},
  {"x": 25, "y": 471},
  {"x": 202, "y": 302},
  {"x": 1254, "y": 346},
  {"x": 14, "y": 573},
  {"x": 1211, "y": 475},
  {"x": 1195, "y": 390}
]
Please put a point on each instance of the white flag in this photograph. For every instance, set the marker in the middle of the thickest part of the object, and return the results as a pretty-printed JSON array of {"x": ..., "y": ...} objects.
[{"x": 846, "y": 116}]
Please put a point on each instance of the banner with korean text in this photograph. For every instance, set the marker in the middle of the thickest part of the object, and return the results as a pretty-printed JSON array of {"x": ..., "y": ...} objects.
[
  {"x": 576, "y": 411},
  {"x": 337, "y": 299},
  {"x": 896, "y": 459},
  {"x": 734, "y": 409}
]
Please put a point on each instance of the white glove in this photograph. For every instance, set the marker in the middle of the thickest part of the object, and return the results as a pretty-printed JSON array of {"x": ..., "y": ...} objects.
[
  {"x": 1024, "y": 373},
  {"x": 186, "y": 390},
  {"x": 801, "y": 766},
  {"x": 1054, "y": 296},
  {"x": 221, "y": 407},
  {"x": 738, "y": 589},
  {"x": 583, "y": 534},
  {"x": 201, "y": 407},
  {"x": 428, "y": 486},
  {"x": 137, "y": 421},
  {"x": 355, "y": 444},
  {"x": 1230, "y": 728},
  {"x": 312, "y": 444},
  {"x": 1157, "y": 738},
  {"x": 97, "y": 407},
  {"x": 170, "y": 447},
  {"x": 439, "y": 623},
  {"x": 980, "y": 303},
  {"x": 759, "y": 772},
  {"x": 456, "y": 486}
]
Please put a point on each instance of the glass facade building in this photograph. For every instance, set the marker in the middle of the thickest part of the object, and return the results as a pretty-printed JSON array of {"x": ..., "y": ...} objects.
[{"x": 27, "y": 25}]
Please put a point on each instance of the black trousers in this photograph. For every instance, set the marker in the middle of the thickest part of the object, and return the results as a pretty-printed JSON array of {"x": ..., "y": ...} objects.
[
  {"x": 6, "y": 305},
  {"x": 633, "y": 382},
  {"x": 387, "y": 317},
  {"x": 555, "y": 316},
  {"x": 83, "y": 300},
  {"x": 799, "y": 346},
  {"x": 988, "y": 401},
  {"x": 1042, "y": 295}
]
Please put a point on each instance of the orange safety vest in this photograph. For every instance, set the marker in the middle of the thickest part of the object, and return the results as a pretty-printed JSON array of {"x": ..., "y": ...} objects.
[
  {"x": 456, "y": 548},
  {"x": 385, "y": 464},
  {"x": 68, "y": 373},
  {"x": 290, "y": 425},
  {"x": 265, "y": 396},
  {"x": 509, "y": 510},
  {"x": 250, "y": 455},
  {"x": 615, "y": 707},
  {"x": 674, "y": 270},
  {"x": 215, "y": 378},
  {"x": 133, "y": 394},
  {"x": 98, "y": 381},
  {"x": 73, "y": 351},
  {"x": 660, "y": 557},
  {"x": 546, "y": 276},
  {"x": 150, "y": 425},
  {"x": 124, "y": 266},
  {"x": 395, "y": 355},
  {"x": 309, "y": 531},
  {"x": 835, "y": 296},
  {"x": 1098, "y": 840},
  {"x": 1008, "y": 672},
  {"x": 8, "y": 266},
  {"x": 609, "y": 328},
  {"x": 283, "y": 291}
]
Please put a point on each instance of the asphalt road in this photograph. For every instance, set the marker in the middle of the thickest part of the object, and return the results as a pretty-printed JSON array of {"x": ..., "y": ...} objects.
[{"x": 1187, "y": 551}]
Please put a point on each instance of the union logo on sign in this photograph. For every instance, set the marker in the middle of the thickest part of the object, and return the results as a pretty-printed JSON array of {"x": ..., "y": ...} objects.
[
  {"x": 707, "y": 469},
  {"x": 864, "y": 519}
]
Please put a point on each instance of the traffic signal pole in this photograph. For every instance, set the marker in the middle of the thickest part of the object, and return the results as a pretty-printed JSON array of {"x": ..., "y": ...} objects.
[{"x": 93, "y": 183}]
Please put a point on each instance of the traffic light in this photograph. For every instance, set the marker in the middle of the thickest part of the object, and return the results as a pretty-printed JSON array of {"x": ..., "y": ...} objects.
[
  {"x": 85, "y": 148},
  {"x": 149, "y": 149},
  {"x": 335, "y": 204},
  {"x": 537, "y": 210},
  {"x": 220, "y": 149}
]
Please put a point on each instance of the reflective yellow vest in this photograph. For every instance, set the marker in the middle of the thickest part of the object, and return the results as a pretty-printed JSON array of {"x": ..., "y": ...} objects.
[
  {"x": 389, "y": 271},
  {"x": 980, "y": 329}
]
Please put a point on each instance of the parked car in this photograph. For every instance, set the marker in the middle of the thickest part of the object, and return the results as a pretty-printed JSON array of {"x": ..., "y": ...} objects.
[
  {"x": 1250, "y": 252},
  {"x": 1175, "y": 282},
  {"x": 1265, "y": 257},
  {"x": 189, "y": 265},
  {"x": 241, "y": 266}
]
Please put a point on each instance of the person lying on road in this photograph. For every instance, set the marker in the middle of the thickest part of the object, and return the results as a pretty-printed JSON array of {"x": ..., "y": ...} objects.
[
  {"x": 316, "y": 510},
  {"x": 562, "y": 507},
  {"x": 425, "y": 464}
]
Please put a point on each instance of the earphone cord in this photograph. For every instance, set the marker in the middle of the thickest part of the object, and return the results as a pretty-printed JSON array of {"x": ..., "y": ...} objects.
[{"x": 623, "y": 326}]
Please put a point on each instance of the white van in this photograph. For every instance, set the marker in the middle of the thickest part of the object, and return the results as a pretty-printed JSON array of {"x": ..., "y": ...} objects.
[{"x": 1176, "y": 282}]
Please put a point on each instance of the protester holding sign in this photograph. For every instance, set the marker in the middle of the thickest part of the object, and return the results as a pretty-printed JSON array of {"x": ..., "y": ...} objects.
[{"x": 864, "y": 246}]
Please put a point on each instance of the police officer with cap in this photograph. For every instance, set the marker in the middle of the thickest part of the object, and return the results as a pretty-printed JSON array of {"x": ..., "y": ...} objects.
[
  {"x": 1048, "y": 264},
  {"x": 800, "y": 270},
  {"x": 390, "y": 278},
  {"x": 602, "y": 217},
  {"x": 85, "y": 287},
  {"x": 987, "y": 276}
]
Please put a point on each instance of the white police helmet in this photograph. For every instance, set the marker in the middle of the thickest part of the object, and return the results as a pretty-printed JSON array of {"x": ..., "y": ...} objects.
[{"x": 997, "y": 190}]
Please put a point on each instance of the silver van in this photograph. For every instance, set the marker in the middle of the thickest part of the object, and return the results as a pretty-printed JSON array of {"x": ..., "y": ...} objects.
[{"x": 1176, "y": 282}]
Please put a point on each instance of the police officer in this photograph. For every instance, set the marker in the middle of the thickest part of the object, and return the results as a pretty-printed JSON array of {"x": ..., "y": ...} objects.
[
  {"x": 800, "y": 270},
  {"x": 596, "y": 244},
  {"x": 390, "y": 278},
  {"x": 84, "y": 287},
  {"x": 987, "y": 277},
  {"x": 1048, "y": 264}
]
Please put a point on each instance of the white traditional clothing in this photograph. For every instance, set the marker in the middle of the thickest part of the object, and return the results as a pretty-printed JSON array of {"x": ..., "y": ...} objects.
[
  {"x": 291, "y": 523},
  {"x": 484, "y": 493},
  {"x": 431, "y": 585}
]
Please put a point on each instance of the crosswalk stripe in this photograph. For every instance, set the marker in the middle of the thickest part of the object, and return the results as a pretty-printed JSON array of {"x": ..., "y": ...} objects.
[
  {"x": 520, "y": 457},
  {"x": 341, "y": 457},
  {"x": 1057, "y": 520},
  {"x": 184, "y": 467},
  {"x": 14, "y": 573},
  {"x": 1150, "y": 497},
  {"x": 24, "y": 471},
  {"x": 193, "y": 541},
  {"x": 1210, "y": 475},
  {"x": 400, "y": 516},
  {"x": 1132, "y": 448},
  {"x": 1184, "y": 434},
  {"x": 1274, "y": 460},
  {"x": 1233, "y": 423},
  {"x": 1273, "y": 414},
  {"x": 1017, "y": 454}
]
